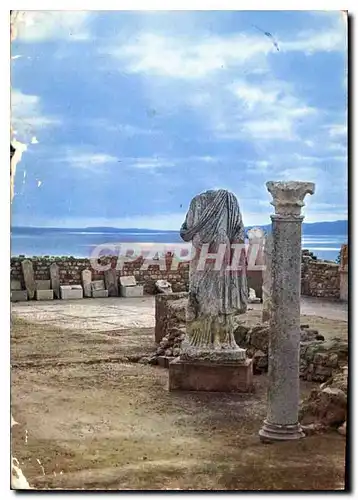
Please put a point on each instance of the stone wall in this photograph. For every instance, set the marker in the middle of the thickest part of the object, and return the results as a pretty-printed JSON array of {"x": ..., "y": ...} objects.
[
  {"x": 320, "y": 278},
  {"x": 343, "y": 270},
  {"x": 71, "y": 268}
]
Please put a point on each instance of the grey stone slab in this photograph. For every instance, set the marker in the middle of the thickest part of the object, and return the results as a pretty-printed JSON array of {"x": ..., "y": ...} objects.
[
  {"x": 86, "y": 282},
  {"x": 29, "y": 278},
  {"x": 127, "y": 281},
  {"x": 111, "y": 282},
  {"x": 69, "y": 293},
  {"x": 132, "y": 291},
  {"x": 97, "y": 285},
  {"x": 15, "y": 285},
  {"x": 44, "y": 294},
  {"x": 43, "y": 285},
  {"x": 55, "y": 279},
  {"x": 96, "y": 294},
  {"x": 18, "y": 295}
]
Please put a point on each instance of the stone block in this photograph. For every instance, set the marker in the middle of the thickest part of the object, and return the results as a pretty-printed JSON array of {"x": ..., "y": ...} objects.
[
  {"x": 44, "y": 294},
  {"x": 43, "y": 284},
  {"x": 18, "y": 295},
  {"x": 132, "y": 291},
  {"x": 97, "y": 285},
  {"x": 86, "y": 276},
  {"x": 343, "y": 286},
  {"x": 170, "y": 310},
  {"x": 210, "y": 377},
  {"x": 15, "y": 285},
  {"x": 69, "y": 292},
  {"x": 111, "y": 282},
  {"x": 99, "y": 294},
  {"x": 28, "y": 273},
  {"x": 127, "y": 281},
  {"x": 164, "y": 361}
]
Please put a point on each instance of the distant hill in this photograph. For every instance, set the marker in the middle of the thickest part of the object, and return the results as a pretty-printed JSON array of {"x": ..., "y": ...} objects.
[
  {"x": 318, "y": 228},
  {"x": 315, "y": 228}
]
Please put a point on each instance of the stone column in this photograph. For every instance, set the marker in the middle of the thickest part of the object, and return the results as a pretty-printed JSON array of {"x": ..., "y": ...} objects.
[
  {"x": 281, "y": 423},
  {"x": 267, "y": 280}
]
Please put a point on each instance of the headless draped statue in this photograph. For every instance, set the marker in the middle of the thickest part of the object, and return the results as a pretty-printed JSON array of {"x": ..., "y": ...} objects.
[{"x": 216, "y": 292}]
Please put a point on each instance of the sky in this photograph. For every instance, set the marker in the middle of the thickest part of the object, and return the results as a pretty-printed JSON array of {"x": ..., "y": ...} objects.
[{"x": 128, "y": 115}]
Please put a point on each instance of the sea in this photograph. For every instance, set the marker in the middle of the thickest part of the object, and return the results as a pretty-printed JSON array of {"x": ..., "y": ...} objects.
[{"x": 81, "y": 243}]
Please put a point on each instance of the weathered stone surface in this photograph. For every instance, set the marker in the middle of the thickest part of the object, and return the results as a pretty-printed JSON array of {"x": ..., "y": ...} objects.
[
  {"x": 132, "y": 291},
  {"x": 127, "y": 281},
  {"x": 284, "y": 348},
  {"x": 252, "y": 297},
  {"x": 99, "y": 294},
  {"x": 327, "y": 407},
  {"x": 170, "y": 311},
  {"x": 69, "y": 292},
  {"x": 319, "y": 360},
  {"x": 43, "y": 284},
  {"x": 342, "y": 429},
  {"x": 55, "y": 279},
  {"x": 343, "y": 285},
  {"x": 215, "y": 293},
  {"x": 267, "y": 279},
  {"x": 163, "y": 286},
  {"x": 44, "y": 294},
  {"x": 320, "y": 278},
  {"x": 18, "y": 295},
  {"x": 111, "y": 282},
  {"x": 97, "y": 285},
  {"x": 29, "y": 279},
  {"x": 86, "y": 276},
  {"x": 15, "y": 285},
  {"x": 211, "y": 377}
]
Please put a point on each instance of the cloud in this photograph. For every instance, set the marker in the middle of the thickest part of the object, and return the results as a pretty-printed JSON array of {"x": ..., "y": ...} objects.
[
  {"x": 151, "y": 163},
  {"x": 198, "y": 57},
  {"x": 85, "y": 160},
  {"x": 337, "y": 130},
  {"x": 310, "y": 42},
  {"x": 267, "y": 111},
  {"x": 187, "y": 58},
  {"x": 38, "y": 26},
  {"x": 126, "y": 129},
  {"x": 154, "y": 162},
  {"x": 26, "y": 115}
]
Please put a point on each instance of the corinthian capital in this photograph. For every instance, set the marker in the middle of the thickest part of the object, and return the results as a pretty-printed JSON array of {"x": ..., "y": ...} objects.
[{"x": 288, "y": 197}]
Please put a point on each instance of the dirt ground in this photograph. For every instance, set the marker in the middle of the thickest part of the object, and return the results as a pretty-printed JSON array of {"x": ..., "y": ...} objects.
[{"x": 89, "y": 417}]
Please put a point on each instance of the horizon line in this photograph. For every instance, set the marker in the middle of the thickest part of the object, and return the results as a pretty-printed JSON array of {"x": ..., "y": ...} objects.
[{"x": 153, "y": 229}]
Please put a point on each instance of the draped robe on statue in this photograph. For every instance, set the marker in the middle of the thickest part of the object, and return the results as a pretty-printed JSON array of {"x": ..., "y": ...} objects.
[{"x": 216, "y": 292}]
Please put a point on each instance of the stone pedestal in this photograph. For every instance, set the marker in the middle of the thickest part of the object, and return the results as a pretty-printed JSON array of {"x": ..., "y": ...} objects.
[
  {"x": 284, "y": 345},
  {"x": 210, "y": 376}
]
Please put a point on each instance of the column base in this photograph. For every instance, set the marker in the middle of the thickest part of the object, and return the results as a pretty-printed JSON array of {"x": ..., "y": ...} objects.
[
  {"x": 274, "y": 432},
  {"x": 211, "y": 377}
]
